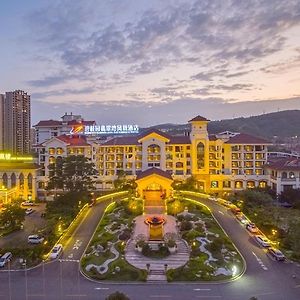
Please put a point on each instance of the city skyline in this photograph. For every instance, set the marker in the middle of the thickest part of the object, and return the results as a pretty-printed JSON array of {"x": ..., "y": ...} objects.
[{"x": 155, "y": 62}]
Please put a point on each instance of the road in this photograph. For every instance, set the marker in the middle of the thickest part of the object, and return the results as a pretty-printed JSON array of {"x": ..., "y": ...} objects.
[{"x": 60, "y": 280}]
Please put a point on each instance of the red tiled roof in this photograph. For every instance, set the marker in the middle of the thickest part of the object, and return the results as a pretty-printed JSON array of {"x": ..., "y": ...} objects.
[
  {"x": 288, "y": 164},
  {"x": 183, "y": 139},
  {"x": 153, "y": 171},
  {"x": 199, "y": 118},
  {"x": 73, "y": 140},
  {"x": 244, "y": 138},
  {"x": 47, "y": 123},
  {"x": 122, "y": 140}
]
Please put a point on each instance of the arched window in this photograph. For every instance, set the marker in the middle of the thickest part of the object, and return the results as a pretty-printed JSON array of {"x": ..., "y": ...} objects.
[
  {"x": 29, "y": 181},
  {"x": 200, "y": 156},
  {"x": 283, "y": 175},
  {"x": 250, "y": 184},
  {"x": 262, "y": 184},
  {"x": 292, "y": 175},
  {"x": 5, "y": 180},
  {"x": 238, "y": 184},
  {"x": 13, "y": 180},
  {"x": 51, "y": 160},
  {"x": 153, "y": 149},
  {"x": 21, "y": 180}
]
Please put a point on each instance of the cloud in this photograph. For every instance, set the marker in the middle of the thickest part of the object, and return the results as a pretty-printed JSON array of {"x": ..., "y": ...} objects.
[
  {"x": 64, "y": 92},
  {"x": 147, "y": 114}
]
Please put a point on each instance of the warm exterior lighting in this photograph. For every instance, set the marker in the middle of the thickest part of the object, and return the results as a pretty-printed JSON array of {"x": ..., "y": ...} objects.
[
  {"x": 9, "y": 157},
  {"x": 234, "y": 270}
]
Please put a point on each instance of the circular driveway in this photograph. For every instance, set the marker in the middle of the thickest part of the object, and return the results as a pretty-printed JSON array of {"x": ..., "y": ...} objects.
[{"x": 264, "y": 278}]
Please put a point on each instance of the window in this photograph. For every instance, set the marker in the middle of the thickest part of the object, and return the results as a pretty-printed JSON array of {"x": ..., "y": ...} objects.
[
  {"x": 284, "y": 175},
  {"x": 214, "y": 184},
  {"x": 226, "y": 184},
  {"x": 292, "y": 175},
  {"x": 238, "y": 184},
  {"x": 179, "y": 165},
  {"x": 200, "y": 155},
  {"x": 250, "y": 184}
]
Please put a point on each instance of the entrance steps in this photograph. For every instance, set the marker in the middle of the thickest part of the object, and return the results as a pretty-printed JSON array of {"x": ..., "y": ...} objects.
[
  {"x": 173, "y": 261},
  {"x": 155, "y": 276}
]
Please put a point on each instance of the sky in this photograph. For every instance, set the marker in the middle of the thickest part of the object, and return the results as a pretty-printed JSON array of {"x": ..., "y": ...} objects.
[{"x": 151, "y": 61}]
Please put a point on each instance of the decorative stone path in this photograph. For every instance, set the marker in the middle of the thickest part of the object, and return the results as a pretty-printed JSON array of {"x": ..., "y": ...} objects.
[
  {"x": 104, "y": 267},
  {"x": 157, "y": 266}
]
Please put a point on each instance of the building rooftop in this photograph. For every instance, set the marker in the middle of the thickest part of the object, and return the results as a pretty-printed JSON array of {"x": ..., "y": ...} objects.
[
  {"x": 50, "y": 123},
  {"x": 244, "y": 138},
  {"x": 155, "y": 171},
  {"x": 284, "y": 164},
  {"x": 73, "y": 140},
  {"x": 199, "y": 118}
]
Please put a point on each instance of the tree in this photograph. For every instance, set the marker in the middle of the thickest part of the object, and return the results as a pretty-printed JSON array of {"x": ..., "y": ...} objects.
[
  {"x": 72, "y": 173},
  {"x": 122, "y": 183},
  {"x": 12, "y": 216},
  {"x": 291, "y": 196},
  {"x": 117, "y": 296},
  {"x": 189, "y": 184}
]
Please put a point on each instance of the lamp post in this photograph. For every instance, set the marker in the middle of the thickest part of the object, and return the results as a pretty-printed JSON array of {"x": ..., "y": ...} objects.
[
  {"x": 26, "y": 281},
  {"x": 9, "y": 281}
]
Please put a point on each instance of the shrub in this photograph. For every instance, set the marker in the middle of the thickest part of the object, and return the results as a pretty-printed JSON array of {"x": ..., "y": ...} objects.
[
  {"x": 117, "y": 296},
  {"x": 186, "y": 225}
]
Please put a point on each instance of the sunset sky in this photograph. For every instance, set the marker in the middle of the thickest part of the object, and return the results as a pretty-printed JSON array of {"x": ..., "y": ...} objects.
[{"x": 151, "y": 61}]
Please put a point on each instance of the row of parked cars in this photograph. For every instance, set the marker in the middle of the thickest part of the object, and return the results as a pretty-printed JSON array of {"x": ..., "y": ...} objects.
[
  {"x": 260, "y": 239},
  {"x": 252, "y": 228}
]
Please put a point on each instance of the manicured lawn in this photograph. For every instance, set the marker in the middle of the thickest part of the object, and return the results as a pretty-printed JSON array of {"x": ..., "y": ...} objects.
[
  {"x": 213, "y": 256},
  {"x": 115, "y": 225}
]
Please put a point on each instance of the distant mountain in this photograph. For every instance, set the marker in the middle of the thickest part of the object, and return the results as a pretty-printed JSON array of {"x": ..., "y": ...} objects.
[{"x": 280, "y": 124}]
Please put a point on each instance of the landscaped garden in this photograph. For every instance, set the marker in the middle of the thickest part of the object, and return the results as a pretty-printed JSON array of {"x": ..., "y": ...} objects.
[
  {"x": 104, "y": 258},
  {"x": 213, "y": 256}
]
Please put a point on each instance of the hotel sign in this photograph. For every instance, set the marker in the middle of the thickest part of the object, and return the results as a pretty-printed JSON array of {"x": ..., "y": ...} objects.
[
  {"x": 105, "y": 129},
  {"x": 9, "y": 157}
]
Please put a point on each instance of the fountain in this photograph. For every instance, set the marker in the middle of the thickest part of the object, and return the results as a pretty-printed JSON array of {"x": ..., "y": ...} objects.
[{"x": 155, "y": 227}]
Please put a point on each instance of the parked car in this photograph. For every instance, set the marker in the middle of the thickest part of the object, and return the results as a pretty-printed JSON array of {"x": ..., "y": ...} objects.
[
  {"x": 35, "y": 239},
  {"x": 242, "y": 218},
  {"x": 262, "y": 241},
  {"x": 29, "y": 211},
  {"x": 5, "y": 259},
  {"x": 252, "y": 228},
  {"x": 56, "y": 251},
  {"x": 277, "y": 254},
  {"x": 235, "y": 210},
  {"x": 213, "y": 198},
  {"x": 27, "y": 203}
]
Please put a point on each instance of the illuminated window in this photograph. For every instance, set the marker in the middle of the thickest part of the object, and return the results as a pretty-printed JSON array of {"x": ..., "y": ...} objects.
[
  {"x": 292, "y": 175},
  {"x": 250, "y": 184},
  {"x": 59, "y": 151},
  {"x": 51, "y": 160},
  {"x": 238, "y": 184},
  {"x": 51, "y": 151},
  {"x": 179, "y": 165},
  {"x": 200, "y": 155},
  {"x": 226, "y": 184},
  {"x": 262, "y": 184}
]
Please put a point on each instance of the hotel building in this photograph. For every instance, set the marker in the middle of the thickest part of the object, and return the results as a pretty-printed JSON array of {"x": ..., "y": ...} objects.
[{"x": 219, "y": 163}]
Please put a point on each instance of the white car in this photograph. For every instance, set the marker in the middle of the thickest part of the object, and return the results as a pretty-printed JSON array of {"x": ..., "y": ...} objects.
[
  {"x": 35, "y": 239},
  {"x": 262, "y": 241},
  {"x": 29, "y": 211},
  {"x": 27, "y": 203},
  {"x": 56, "y": 251},
  {"x": 276, "y": 254}
]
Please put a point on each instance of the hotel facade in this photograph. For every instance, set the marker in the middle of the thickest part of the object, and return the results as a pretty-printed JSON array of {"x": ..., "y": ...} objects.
[{"x": 219, "y": 163}]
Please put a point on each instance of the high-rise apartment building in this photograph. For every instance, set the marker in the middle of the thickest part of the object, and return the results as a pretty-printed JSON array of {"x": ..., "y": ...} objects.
[
  {"x": 17, "y": 122},
  {"x": 1, "y": 121}
]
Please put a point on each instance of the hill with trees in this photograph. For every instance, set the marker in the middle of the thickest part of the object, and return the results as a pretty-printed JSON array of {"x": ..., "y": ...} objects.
[{"x": 281, "y": 124}]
